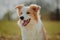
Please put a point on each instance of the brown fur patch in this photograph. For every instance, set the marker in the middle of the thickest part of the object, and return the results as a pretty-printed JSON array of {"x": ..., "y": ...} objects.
[
  {"x": 36, "y": 16},
  {"x": 35, "y": 7},
  {"x": 33, "y": 15},
  {"x": 34, "y": 10},
  {"x": 19, "y": 7},
  {"x": 19, "y": 12}
]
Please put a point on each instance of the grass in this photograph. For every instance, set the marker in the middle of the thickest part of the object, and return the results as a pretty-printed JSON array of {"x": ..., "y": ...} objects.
[
  {"x": 53, "y": 28},
  {"x": 11, "y": 28}
]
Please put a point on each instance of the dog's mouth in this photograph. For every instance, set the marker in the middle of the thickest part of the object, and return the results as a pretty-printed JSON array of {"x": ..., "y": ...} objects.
[{"x": 25, "y": 22}]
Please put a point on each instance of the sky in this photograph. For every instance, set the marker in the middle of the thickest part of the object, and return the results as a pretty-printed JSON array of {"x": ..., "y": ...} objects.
[{"x": 10, "y": 4}]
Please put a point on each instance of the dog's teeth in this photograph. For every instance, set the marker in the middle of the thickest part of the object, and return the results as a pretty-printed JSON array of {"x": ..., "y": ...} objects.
[{"x": 25, "y": 22}]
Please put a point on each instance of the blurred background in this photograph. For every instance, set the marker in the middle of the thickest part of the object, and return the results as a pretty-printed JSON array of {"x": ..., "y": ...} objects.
[{"x": 50, "y": 15}]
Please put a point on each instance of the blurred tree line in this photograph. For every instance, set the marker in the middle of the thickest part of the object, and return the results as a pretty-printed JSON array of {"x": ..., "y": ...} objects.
[
  {"x": 46, "y": 13},
  {"x": 55, "y": 15},
  {"x": 8, "y": 14}
]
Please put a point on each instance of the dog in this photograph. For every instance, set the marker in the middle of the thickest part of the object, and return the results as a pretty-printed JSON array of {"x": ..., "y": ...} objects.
[{"x": 30, "y": 22}]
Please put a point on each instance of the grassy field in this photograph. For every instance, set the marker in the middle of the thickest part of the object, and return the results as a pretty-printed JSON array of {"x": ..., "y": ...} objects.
[
  {"x": 10, "y": 28},
  {"x": 53, "y": 29}
]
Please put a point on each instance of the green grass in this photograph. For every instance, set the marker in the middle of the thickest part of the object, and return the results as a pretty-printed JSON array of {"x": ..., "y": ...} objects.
[
  {"x": 52, "y": 28},
  {"x": 11, "y": 28}
]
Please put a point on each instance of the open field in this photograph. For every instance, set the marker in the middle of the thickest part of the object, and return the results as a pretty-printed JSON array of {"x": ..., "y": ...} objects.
[
  {"x": 53, "y": 29},
  {"x": 10, "y": 29}
]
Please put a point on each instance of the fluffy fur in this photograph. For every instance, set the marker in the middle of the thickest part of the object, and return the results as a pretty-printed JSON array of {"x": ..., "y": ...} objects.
[{"x": 31, "y": 26}]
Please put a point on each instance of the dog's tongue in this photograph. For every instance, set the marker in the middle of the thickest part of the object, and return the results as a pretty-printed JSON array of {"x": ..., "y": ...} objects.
[{"x": 25, "y": 22}]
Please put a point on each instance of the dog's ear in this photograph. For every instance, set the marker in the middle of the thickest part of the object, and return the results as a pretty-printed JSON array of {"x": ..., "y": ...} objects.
[
  {"x": 19, "y": 6},
  {"x": 35, "y": 7}
]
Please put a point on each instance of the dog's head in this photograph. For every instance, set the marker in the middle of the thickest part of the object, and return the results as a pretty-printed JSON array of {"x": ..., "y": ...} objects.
[{"x": 27, "y": 13}]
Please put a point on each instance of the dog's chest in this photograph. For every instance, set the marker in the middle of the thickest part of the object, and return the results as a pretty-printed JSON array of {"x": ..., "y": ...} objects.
[{"x": 32, "y": 34}]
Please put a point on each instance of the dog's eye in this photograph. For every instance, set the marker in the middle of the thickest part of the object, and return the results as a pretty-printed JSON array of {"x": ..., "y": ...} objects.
[
  {"x": 21, "y": 12},
  {"x": 28, "y": 12}
]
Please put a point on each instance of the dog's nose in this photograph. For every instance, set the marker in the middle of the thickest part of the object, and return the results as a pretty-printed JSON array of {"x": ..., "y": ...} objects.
[{"x": 21, "y": 17}]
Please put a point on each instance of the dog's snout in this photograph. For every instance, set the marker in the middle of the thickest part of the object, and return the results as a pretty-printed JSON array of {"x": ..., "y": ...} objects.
[{"x": 21, "y": 17}]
